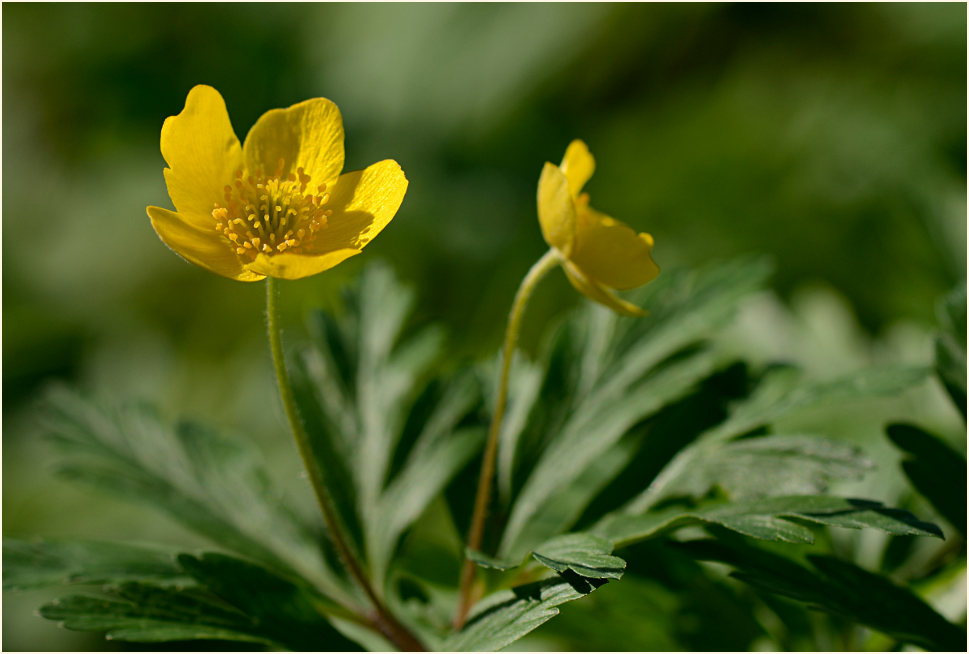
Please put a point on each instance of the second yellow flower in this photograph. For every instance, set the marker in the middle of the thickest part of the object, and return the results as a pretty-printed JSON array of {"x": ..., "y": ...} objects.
[{"x": 598, "y": 253}]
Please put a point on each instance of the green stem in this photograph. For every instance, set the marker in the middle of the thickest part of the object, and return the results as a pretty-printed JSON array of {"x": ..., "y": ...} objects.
[
  {"x": 383, "y": 620},
  {"x": 476, "y": 533}
]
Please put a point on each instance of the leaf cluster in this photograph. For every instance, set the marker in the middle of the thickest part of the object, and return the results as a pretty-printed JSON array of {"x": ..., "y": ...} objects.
[{"x": 620, "y": 435}]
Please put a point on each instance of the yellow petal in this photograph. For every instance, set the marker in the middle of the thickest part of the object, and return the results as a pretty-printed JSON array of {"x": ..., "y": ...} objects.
[
  {"x": 556, "y": 209},
  {"x": 202, "y": 153},
  {"x": 578, "y": 166},
  {"x": 611, "y": 253},
  {"x": 307, "y": 134},
  {"x": 363, "y": 202},
  {"x": 297, "y": 266},
  {"x": 595, "y": 291},
  {"x": 205, "y": 248}
]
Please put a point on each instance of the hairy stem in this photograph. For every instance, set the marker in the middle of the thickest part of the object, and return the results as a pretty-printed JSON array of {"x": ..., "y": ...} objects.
[
  {"x": 383, "y": 620},
  {"x": 483, "y": 497}
]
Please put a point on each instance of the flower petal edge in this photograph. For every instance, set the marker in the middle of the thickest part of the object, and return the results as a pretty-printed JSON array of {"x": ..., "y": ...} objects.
[{"x": 206, "y": 249}]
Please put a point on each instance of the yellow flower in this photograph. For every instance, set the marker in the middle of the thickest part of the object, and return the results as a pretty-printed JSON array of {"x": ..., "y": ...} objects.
[
  {"x": 597, "y": 252},
  {"x": 275, "y": 206}
]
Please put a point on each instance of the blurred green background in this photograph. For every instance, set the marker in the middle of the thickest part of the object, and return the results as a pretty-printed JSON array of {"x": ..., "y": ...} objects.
[{"x": 832, "y": 137}]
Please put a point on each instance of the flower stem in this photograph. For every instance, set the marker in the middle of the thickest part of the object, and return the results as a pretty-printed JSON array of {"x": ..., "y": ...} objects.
[
  {"x": 383, "y": 620},
  {"x": 476, "y": 533}
]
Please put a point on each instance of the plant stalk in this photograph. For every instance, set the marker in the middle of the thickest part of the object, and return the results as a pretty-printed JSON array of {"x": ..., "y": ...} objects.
[
  {"x": 383, "y": 621},
  {"x": 483, "y": 497}
]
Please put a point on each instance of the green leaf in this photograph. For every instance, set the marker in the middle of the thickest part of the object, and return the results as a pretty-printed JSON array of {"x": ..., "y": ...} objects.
[
  {"x": 151, "y": 614},
  {"x": 605, "y": 376},
  {"x": 315, "y": 385},
  {"x": 390, "y": 434},
  {"x": 504, "y": 617},
  {"x": 936, "y": 470},
  {"x": 491, "y": 562},
  {"x": 770, "y": 465},
  {"x": 218, "y": 598},
  {"x": 583, "y": 444},
  {"x": 950, "y": 346},
  {"x": 210, "y": 484},
  {"x": 39, "y": 563},
  {"x": 524, "y": 385},
  {"x": 388, "y": 377},
  {"x": 840, "y": 588},
  {"x": 585, "y": 554},
  {"x": 421, "y": 480},
  {"x": 285, "y": 611},
  {"x": 778, "y": 395},
  {"x": 771, "y": 518}
]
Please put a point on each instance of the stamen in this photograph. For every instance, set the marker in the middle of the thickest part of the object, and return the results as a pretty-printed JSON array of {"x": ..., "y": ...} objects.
[{"x": 271, "y": 214}]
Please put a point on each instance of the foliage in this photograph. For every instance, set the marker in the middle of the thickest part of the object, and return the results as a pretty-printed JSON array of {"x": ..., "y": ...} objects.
[
  {"x": 838, "y": 587},
  {"x": 621, "y": 433}
]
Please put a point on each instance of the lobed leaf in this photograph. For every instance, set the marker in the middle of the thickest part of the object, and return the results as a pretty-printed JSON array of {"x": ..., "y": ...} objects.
[
  {"x": 950, "y": 346},
  {"x": 38, "y": 563},
  {"x": 144, "y": 613},
  {"x": 282, "y": 610},
  {"x": 504, "y": 617},
  {"x": 770, "y": 518},
  {"x": 840, "y": 588},
  {"x": 616, "y": 379},
  {"x": 390, "y": 434},
  {"x": 936, "y": 471},
  {"x": 776, "y": 464},
  {"x": 212, "y": 485},
  {"x": 541, "y": 509},
  {"x": 587, "y": 555},
  {"x": 778, "y": 395},
  {"x": 225, "y": 598}
]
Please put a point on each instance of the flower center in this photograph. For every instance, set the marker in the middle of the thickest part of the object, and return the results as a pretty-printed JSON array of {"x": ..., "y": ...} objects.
[{"x": 271, "y": 214}]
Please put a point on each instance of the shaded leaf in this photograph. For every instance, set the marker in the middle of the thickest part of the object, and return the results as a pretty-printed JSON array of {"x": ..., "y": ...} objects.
[
  {"x": 283, "y": 610},
  {"x": 777, "y": 464},
  {"x": 605, "y": 376},
  {"x": 145, "y": 613},
  {"x": 212, "y": 485},
  {"x": 950, "y": 346},
  {"x": 388, "y": 377},
  {"x": 771, "y": 518},
  {"x": 936, "y": 470},
  {"x": 391, "y": 434},
  {"x": 540, "y": 511},
  {"x": 38, "y": 563},
  {"x": 224, "y": 598},
  {"x": 421, "y": 480},
  {"x": 778, "y": 395},
  {"x": 840, "y": 588},
  {"x": 524, "y": 384},
  {"x": 485, "y": 561}
]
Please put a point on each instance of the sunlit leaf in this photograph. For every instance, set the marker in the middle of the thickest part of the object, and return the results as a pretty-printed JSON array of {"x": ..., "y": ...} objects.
[
  {"x": 769, "y": 518},
  {"x": 504, "y": 617},
  {"x": 585, "y": 554}
]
